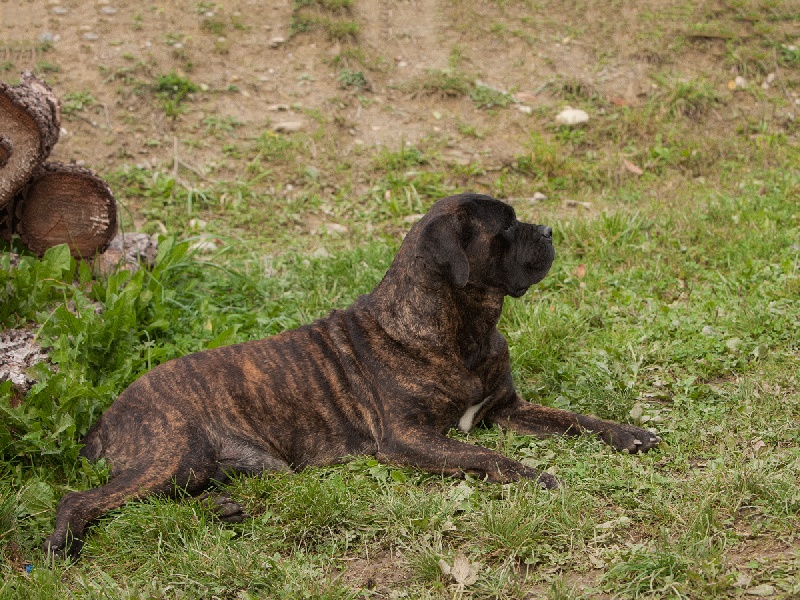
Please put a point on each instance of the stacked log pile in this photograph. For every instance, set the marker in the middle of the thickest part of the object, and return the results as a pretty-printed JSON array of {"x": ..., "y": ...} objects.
[{"x": 47, "y": 203}]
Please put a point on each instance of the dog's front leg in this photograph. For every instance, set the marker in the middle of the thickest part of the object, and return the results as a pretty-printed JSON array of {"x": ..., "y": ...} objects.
[
  {"x": 528, "y": 418},
  {"x": 431, "y": 451}
]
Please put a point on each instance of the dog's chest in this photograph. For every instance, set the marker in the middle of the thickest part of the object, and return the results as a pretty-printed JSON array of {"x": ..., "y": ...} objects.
[{"x": 467, "y": 420}]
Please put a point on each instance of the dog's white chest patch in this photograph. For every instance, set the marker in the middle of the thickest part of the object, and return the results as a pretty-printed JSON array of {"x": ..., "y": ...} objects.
[{"x": 465, "y": 422}]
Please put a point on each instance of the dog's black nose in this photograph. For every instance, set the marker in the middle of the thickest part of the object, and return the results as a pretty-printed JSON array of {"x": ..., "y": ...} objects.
[{"x": 546, "y": 231}]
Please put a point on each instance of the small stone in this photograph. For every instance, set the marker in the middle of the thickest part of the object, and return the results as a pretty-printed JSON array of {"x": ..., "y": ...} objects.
[
  {"x": 60, "y": 10},
  {"x": 335, "y": 228},
  {"x": 287, "y": 126},
  {"x": 92, "y": 37},
  {"x": 204, "y": 246},
  {"x": 707, "y": 330},
  {"x": 47, "y": 38},
  {"x": 109, "y": 10},
  {"x": 276, "y": 41},
  {"x": 538, "y": 197},
  {"x": 771, "y": 78},
  {"x": 732, "y": 344},
  {"x": 524, "y": 109},
  {"x": 762, "y": 590},
  {"x": 402, "y": 64},
  {"x": 572, "y": 116},
  {"x": 740, "y": 82}
]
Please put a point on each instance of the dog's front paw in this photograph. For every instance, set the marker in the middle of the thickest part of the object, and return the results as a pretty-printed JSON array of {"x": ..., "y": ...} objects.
[{"x": 630, "y": 438}]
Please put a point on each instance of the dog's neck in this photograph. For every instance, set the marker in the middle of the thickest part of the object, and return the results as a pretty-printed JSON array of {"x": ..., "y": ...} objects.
[{"x": 419, "y": 310}]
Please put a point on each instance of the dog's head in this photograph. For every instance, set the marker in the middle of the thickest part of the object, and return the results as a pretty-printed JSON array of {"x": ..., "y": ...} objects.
[{"x": 476, "y": 240}]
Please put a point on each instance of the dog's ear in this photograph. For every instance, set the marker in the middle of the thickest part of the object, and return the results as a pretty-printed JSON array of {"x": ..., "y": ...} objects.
[{"x": 441, "y": 244}]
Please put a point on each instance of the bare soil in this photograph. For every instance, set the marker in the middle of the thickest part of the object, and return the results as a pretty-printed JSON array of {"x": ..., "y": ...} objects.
[{"x": 113, "y": 50}]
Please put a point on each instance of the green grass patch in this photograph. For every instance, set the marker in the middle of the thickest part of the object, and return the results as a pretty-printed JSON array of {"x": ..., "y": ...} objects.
[{"x": 684, "y": 322}]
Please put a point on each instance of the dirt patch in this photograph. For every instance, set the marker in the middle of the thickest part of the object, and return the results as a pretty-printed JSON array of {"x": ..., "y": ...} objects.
[
  {"x": 244, "y": 59},
  {"x": 379, "y": 573}
]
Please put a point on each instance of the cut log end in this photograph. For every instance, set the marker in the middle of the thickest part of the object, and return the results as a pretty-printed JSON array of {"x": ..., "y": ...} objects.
[
  {"x": 66, "y": 204},
  {"x": 30, "y": 122}
]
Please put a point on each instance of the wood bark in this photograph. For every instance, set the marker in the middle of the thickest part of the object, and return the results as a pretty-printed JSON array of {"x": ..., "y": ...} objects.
[
  {"x": 66, "y": 204},
  {"x": 30, "y": 121}
]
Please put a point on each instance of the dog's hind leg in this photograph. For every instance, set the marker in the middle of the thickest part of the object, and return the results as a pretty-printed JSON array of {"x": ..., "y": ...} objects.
[
  {"x": 151, "y": 465},
  {"x": 77, "y": 509}
]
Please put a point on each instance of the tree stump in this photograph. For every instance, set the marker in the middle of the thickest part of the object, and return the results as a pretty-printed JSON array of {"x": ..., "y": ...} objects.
[
  {"x": 66, "y": 204},
  {"x": 30, "y": 121}
]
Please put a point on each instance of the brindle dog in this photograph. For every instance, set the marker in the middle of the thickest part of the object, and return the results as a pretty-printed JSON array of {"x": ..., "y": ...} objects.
[{"x": 387, "y": 377}]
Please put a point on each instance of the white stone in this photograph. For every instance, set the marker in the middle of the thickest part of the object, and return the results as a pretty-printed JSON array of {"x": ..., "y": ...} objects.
[
  {"x": 335, "y": 228},
  {"x": 287, "y": 126},
  {"x": 572, "y": 116}
]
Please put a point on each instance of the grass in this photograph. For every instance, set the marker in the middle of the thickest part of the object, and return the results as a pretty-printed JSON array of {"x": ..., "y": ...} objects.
[
  {"x": 75, "y": 102},
  {"x": 173, "y": 89},
  {"x": 690, "y": 317},
  {"x": 330, "y": 16},
  {"x": 672, "y": 304}
]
